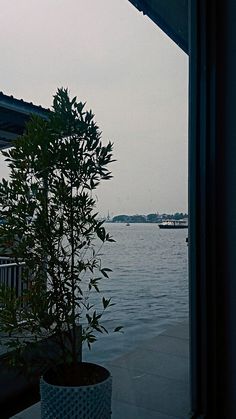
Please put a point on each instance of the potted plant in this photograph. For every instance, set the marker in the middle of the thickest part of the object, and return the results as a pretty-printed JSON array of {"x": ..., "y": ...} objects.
[{"x": 52, "y": 226}]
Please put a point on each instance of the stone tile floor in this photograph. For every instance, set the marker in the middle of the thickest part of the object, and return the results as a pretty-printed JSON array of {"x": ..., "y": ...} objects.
[{"x": 151, "y": 382}]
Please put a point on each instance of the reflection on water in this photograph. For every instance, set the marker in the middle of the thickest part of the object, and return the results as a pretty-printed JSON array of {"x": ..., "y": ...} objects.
[{"x": 149, "y": 285}]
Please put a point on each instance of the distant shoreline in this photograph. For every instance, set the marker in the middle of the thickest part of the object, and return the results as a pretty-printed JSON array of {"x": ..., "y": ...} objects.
[{"x": 154, "y": 218}]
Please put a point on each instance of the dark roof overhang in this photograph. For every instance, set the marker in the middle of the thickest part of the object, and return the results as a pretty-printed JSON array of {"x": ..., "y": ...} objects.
[
  {"x": 14, "y": 114},
  {"x": 170, "y": 15}
]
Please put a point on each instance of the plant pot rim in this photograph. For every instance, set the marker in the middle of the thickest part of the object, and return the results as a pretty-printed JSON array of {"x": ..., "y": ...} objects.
[{"x": 87, "y": 386}]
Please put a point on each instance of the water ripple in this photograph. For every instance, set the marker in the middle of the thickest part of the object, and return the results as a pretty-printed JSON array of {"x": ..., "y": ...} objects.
[{"x": 149, "y": 284}]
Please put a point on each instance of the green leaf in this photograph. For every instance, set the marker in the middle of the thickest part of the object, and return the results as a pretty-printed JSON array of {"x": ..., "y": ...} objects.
[
  {"x": 118, "y": 328},
  {"x": 106, "y": 302},
  {"x": 104, "y": 272}
]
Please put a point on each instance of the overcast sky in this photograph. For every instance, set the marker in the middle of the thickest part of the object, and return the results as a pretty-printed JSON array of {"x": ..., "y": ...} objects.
[{"x": 133, "y": 77}]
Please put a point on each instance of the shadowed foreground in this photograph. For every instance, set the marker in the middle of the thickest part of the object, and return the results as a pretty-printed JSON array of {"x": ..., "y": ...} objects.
[{"x": 151, "y": 382}]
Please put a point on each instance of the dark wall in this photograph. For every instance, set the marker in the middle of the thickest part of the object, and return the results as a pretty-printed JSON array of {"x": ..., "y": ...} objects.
[{"x": 212, "y": 201}]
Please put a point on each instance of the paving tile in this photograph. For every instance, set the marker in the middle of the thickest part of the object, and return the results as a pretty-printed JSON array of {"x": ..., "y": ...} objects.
[
  {"x": 32, "y": 412},
  {"x": 128, "y": 411},
  {"x": 119, "y": 410},
  {"x": 179, "y": 331},
  {"x": 157, "y": 363},
  {"x": 160, "y": 394},
  {"x": 150, "y": 382},
  {"x": 169, "y": 345}
]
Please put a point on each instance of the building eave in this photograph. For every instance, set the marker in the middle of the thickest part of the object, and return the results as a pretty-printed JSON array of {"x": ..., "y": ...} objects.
[
  {"x": 14, "y": 114},
  {"x": 170, "y": 15}
]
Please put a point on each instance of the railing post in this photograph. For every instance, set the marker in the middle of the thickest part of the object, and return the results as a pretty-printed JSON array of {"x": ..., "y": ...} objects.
[{"x": 11, "y": 274}]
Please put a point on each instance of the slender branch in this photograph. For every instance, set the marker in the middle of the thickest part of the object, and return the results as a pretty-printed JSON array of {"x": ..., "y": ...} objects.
[{"x": 74, "y": 356}]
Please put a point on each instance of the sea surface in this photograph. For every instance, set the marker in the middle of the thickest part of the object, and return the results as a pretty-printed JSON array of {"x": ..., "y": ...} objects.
[{"x": 148, "y": 286}]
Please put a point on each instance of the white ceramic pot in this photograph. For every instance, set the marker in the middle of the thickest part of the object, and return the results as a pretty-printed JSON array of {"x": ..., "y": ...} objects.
[{"x": 83, "y": 402}]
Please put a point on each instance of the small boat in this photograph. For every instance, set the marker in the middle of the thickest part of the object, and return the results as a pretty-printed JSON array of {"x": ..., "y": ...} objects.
[
  {"x": 168, "y": 224},
  {"x": 128, "y": 224}
]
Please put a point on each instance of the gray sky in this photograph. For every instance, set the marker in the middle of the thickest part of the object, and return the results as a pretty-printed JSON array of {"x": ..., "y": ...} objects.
[{"x": 132, "y": 76}]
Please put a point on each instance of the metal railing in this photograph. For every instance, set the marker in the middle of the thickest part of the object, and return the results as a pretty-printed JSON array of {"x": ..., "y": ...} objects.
[{"x": 11, "y": 274}]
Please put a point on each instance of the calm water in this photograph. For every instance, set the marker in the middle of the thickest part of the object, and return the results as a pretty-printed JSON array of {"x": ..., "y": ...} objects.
[{"x": 149, "y": 285}]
